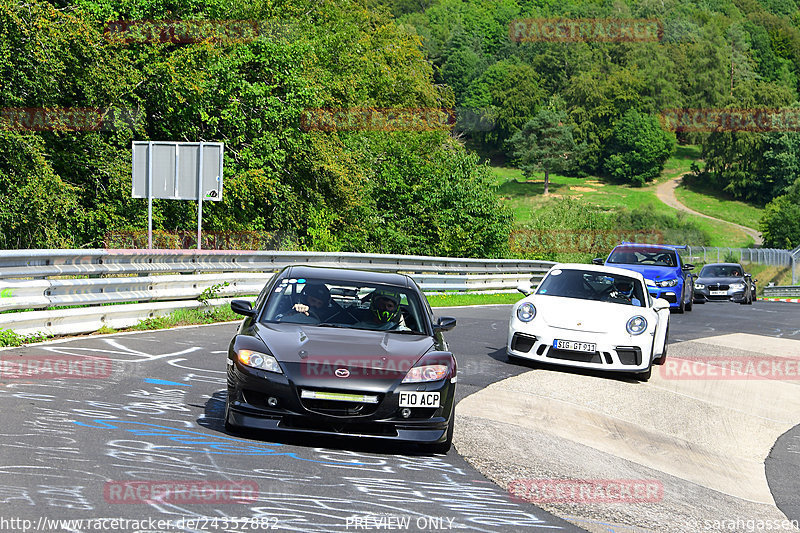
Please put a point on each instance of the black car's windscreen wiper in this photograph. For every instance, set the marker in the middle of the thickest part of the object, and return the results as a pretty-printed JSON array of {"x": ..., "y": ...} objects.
[{"x": 332, "y": 325}]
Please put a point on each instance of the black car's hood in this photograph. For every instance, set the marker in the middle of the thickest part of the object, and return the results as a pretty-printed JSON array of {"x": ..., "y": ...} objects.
[
  {"x": 343, "y": 358},
  {"x": 725, "y": 280}
]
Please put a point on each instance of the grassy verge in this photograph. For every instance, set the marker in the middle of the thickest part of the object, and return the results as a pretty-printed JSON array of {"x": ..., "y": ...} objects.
[
  {"x": 450, "y": 300},
  {"x": 525, "y": 198},
  {"x": 716, "y": 204},
  {"x": 182, "y": 317}
]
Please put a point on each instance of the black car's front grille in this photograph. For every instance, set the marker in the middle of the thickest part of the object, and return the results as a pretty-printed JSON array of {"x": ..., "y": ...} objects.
[
  {"x": 718, "y": 287},
  {"x": 315, "y": 424},
  {"x": 338, "y": 408},
  {"x": 522, "y": 343},
  {"x": 629, "y": 355},
  {"x": 581, "y": 357}
]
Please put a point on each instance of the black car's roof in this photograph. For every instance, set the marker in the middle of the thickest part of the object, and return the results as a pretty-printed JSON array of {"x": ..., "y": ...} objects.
[
  {"x": 723, "y": 264},
  {"x": 346, "y": 274}
]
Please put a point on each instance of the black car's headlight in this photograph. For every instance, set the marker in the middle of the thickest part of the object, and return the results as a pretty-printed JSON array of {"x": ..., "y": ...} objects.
[
  {"x": 736, "y": 286},
  {"x": 260, "y": 360},
  {"x": 421, "y": 374},
  {"x": 636, "y": 325},
  {"x": 526, "y": 312},
  {"x": 667, "y": 283},
  {"x": 699, "y": 286},
  {"x": 432, "y": 367}
]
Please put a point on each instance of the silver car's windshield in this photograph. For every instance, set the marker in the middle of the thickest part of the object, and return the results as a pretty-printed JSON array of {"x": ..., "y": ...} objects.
[
  {"x": 721, "y": 271},
  {"x": 590, "y": 285},
  {"x": 329, "y": 303}
]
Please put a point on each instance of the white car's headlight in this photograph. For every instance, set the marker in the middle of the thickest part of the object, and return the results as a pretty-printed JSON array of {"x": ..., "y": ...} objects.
[
  {"x": 667, "y": 283},
  {"x": 421, "y": 374},
  {"x": 737, "y": 286},
  {"x": 526, "y": 312},
  {"x": 699, "y": 286},
  {"x": 636, "y": 325},
  {"x": 263, "y": 361}
]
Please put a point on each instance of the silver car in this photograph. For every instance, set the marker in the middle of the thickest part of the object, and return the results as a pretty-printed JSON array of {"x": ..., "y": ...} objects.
[{"x": 724, "y": 282}]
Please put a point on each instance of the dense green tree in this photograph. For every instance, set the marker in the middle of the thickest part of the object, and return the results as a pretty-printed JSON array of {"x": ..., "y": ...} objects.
[
  {"x": 545, "y": 143},
  {"x": 780, "y": 224},
  {"x": 637, "y": 149}
]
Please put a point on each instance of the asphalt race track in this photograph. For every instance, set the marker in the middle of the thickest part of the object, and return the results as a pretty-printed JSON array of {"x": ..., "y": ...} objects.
[{"x": 150, "y": 417}]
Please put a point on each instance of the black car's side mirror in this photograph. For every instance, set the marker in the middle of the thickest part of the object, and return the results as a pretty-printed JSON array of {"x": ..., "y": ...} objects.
[
  {"x": 687, "y": 266},
  {"x": 445, "y": 323},
  {"x": 242, "y": 307},
  {"x": 598, "y": 261}
]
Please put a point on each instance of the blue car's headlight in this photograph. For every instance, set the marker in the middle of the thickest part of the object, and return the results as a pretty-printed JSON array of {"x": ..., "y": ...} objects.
[
  {"x": 667, "y": 283},
  {"x": 526, "y": 312},
  {"x": 636, "y": 325}
]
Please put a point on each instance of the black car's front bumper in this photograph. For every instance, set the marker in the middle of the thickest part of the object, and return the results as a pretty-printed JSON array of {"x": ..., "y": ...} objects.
[
  {"x": 249, "y": 391},
  {"x": 731, "y": 295}
]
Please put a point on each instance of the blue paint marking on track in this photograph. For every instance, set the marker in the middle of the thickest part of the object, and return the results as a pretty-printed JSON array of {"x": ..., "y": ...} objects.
[
  {"x": 165, "y": 382},
  {"x": 219, "y": 445}
]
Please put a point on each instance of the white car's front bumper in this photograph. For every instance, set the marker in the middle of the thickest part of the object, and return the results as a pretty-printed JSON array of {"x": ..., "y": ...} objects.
[{"x": 619, "y": 352}]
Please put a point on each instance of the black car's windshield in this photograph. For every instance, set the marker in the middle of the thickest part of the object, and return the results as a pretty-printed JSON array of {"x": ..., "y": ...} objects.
[
  {"x": 721, "y": 271},
  {"x": 590, "y": 285},
  {"x": 343, "y": 304},
  {"x": 643, "y": 256}
]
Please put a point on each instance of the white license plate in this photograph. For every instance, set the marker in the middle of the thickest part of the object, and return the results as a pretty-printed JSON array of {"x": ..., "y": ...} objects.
[
  {"x": 419, "y": 399},
  {"x": 575, "y": 346},
  {"x": 718, "y": 293}
]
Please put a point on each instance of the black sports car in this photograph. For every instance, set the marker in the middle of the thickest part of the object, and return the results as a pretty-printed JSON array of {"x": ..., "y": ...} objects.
[
  {"x": 345, "y": 352},
  {"x": 724, "y": 282}
]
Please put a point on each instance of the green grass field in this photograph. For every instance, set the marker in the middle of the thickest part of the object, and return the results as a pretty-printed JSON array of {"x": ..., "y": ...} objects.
[
  {"x": 718, "y": 205},
  {"x": 525, "y": 196}
]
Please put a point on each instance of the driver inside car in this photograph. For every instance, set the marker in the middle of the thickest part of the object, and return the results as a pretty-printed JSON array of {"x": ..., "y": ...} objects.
[
  {"x": 315, "y": 301},
  {"x": 623, "y": 290}
]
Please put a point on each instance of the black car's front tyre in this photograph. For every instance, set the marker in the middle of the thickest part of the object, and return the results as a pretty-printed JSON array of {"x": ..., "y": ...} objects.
[
  {"x": 230, "y": 427},
  {"x": 444, "y": 447}
]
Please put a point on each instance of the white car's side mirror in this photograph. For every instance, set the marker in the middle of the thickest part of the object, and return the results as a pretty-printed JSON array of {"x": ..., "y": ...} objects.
[
  {"x": 525, "y": 288},
  {"x": 659, "y": 304}
]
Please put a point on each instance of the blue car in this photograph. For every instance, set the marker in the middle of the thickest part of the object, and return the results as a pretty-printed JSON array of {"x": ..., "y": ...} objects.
[{"x": 665, "y": 274}]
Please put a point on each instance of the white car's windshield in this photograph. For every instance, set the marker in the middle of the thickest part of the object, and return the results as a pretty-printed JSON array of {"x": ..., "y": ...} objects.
[
  {"x": 590, "y": 285},
  {"x": 356, "y": 305}
]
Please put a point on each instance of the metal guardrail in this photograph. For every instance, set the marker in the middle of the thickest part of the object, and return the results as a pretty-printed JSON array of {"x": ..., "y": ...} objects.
[
  {"x": 764, "y": 256},
  {"x": 788, "y": 291},
  {"x": 37, "y": 285}
]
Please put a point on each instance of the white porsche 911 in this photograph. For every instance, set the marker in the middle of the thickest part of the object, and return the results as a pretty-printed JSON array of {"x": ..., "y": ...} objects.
[{"x": 591, "y": 317}]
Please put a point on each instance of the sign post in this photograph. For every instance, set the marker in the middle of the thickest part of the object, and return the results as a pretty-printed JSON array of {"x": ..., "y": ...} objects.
[{"x": 177, "y": 171}]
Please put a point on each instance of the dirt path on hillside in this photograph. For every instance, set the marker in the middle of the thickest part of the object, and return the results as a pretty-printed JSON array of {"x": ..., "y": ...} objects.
[{"x": 666, "y": 193}]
